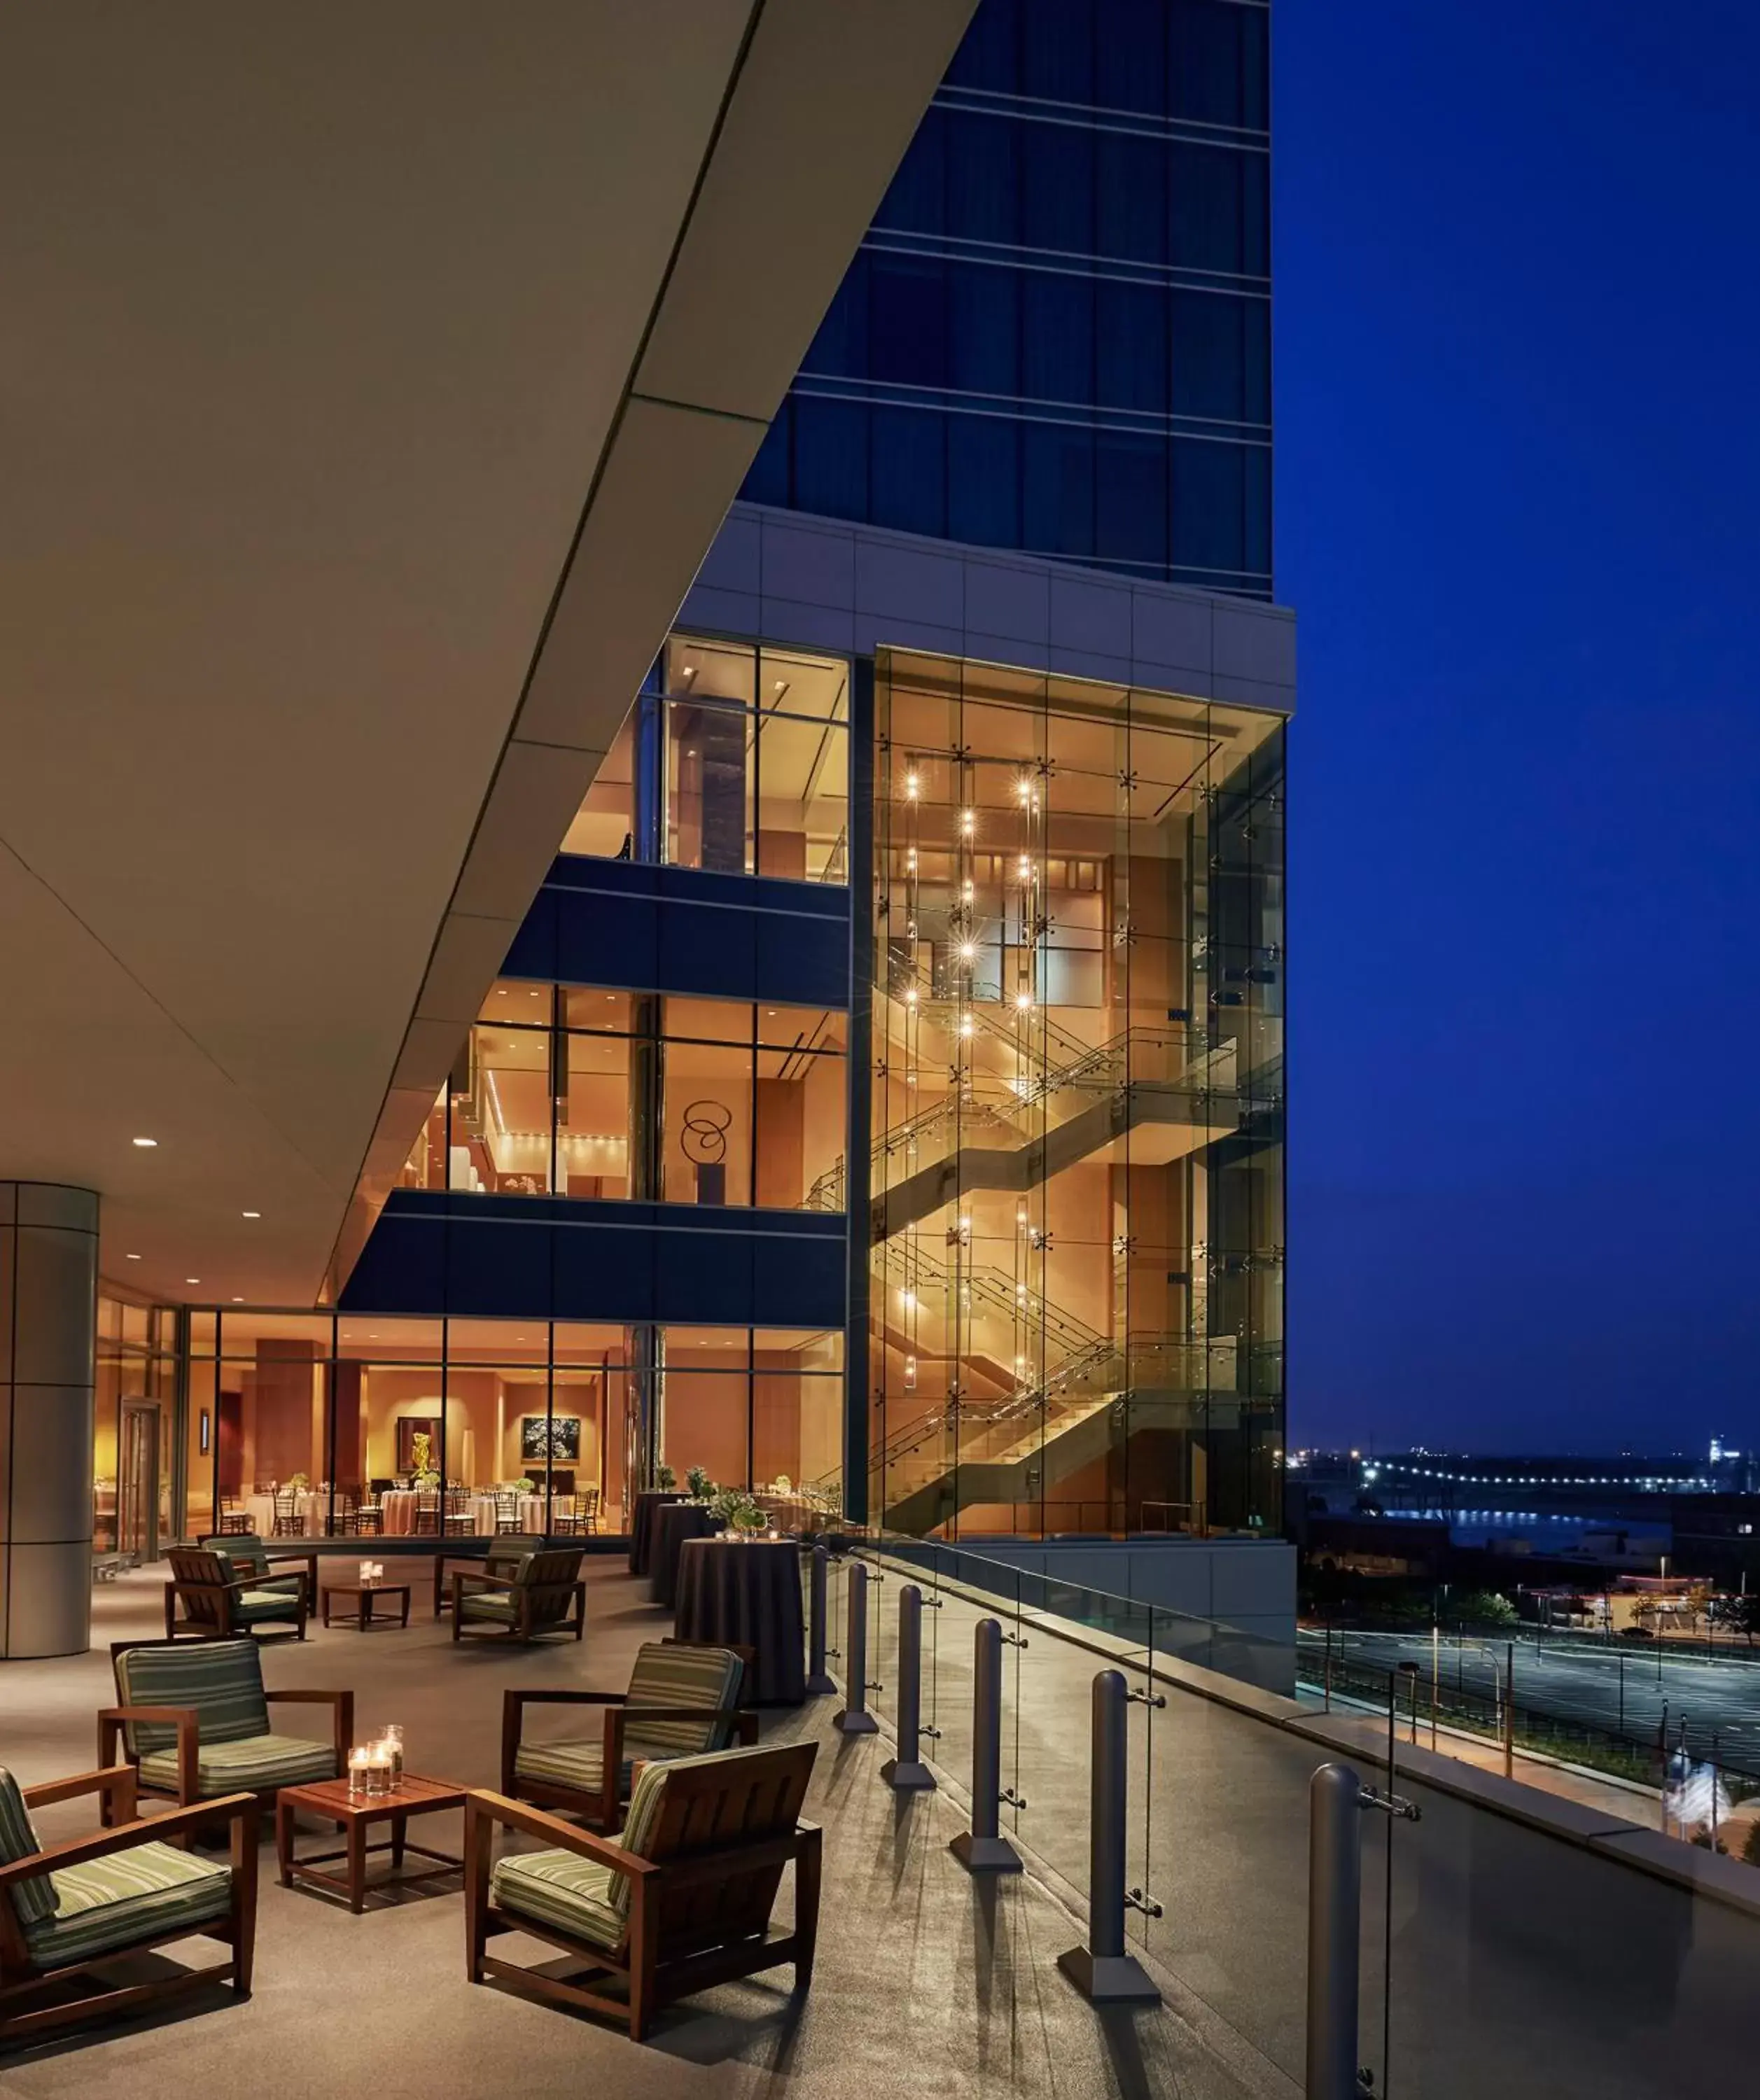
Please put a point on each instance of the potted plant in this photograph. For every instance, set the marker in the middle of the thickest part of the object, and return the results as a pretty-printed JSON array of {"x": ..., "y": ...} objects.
[
  {"x": 698, "y": 1482},
  {"x": 664, "y": 1478}
]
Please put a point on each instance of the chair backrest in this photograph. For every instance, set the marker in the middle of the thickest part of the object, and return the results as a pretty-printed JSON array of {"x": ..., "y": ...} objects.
[
  {"x": 243, "y": 1551},
  {"x": 204, "y": 1574},
  {"x": 509, "y": 1553},
  {"x": 706, "y": 1804},
  {"x": 590, "y": 1498},
  {"x": 553, "y": 1575},
  {"x": 428, "y": 1500},
  {"x": 678, "y": 1674},
  {"x": 287, "y": 1502},
  {"x": 221, "y": 1679},
  {"x": 34, "y": 1899},
  {"x": 507, "y": 1501}
]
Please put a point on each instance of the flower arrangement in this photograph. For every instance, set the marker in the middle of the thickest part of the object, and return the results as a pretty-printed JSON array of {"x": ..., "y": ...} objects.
[
  {"x": 738, "y": 1511},
  {"x": 665, "y": 1479},
  {"x": 421, "y": 1460},
  {"x": 698, "y": 1482},
  {"x": 298, "y": 1482}
]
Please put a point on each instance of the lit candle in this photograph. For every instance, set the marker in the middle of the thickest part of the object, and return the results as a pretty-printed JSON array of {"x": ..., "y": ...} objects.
[{"x": 357, "y": 1773}]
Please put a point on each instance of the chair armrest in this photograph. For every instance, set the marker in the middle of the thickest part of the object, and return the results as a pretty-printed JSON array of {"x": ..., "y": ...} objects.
[
  {"x": 558, "y": 1698},
  {"x": 342, "y": 1702},
  {"x": 483, "y": 1581},
  {"x": 305, "y": 1563},
  {"x": 115, "y": 1783},
  {"x": 183, "y": 1718},
  {"x": 126, "y": 1836},
  {"x": 566, "y": 1837}
]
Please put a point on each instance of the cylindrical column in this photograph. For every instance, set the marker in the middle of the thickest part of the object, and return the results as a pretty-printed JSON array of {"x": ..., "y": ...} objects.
[
  {"x": 48, "y": 1331},
  {"x": 906, "y": 1772},
  {"x": 1334, "y": 1925},
  {"x": 1102, "y": 1969},
  {"x": 982, "y": 1849},
  {"x": 855, "y": 1718},
  {"x": 818, "y": 1582}
]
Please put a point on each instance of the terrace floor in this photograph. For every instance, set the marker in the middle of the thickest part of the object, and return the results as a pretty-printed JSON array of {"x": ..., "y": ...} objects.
[{"x": 928, "y": 1982}]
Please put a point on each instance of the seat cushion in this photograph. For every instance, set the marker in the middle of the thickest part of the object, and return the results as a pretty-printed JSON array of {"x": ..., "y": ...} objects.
[
  {"x": 562, "y": 1890},
  {"x": 489, "y": 1604},
  {"x": 669, "y": 1674},
  {"x": 34, "y": 1899},
  {"x": 126, "y": 1897},
  {"x": 576, "y": 1763},
  {"x": 249, "y": 1765},
  {"x": 252, "y": 1606},
  {"x": 221, "y": 1679}
]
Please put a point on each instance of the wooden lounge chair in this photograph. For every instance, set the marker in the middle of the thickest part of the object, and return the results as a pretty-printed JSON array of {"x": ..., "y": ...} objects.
[
  {"x": 679, "y": 1901},
  {"x": 207, "y": 1598},
  {"x": 250, "y": 1555},
  {"x": 67, "y": 1910},
  {"x": 683, "y": 1700},
  {"x": 537, "y": 1598},
  {"x": 503, "y": 1557},
  {"x": 193, "y": 1722}
]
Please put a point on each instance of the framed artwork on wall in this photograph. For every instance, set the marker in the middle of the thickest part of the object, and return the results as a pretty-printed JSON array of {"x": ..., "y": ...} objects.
[{"x": 556, "y": 1436}]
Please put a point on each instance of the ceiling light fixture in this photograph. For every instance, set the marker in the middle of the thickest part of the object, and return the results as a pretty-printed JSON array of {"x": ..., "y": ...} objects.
[
  {"x": 193, "y": 1279},
  {"x": 146, "y": 1144},
  {"x": 238, "y": 1301},
  {"x": 131, "y": 1257},
  {"x": 250, "y": 1214}
]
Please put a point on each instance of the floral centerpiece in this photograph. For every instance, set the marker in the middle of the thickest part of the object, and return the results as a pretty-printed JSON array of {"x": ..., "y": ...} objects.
[
  {"x": 664, "y": 1478},
  {"x": 698, "y": 1482},
  {"x": 738, "y": 1511}
]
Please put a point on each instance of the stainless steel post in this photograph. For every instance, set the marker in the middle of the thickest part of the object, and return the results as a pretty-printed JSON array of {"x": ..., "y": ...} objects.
[
  {"x": 855, "y": 1718},
  {"x": 983, "y": 1848},
  {"x": 1102, "y": 1970},
  {"x": 816, "y": 1679},
  {"x": 907, "y": 1772},
  {"x": 1334, "y": 1925}
]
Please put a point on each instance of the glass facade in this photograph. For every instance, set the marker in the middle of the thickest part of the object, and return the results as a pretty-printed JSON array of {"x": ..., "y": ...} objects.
[
  {"x": 577, "y": 1091},
  {"x": 735, "y": 759},
  {"x": 1057, "y": 334},
  {"x": 1076, "y": 1179},
  {"x": 300, "y": 1420}
]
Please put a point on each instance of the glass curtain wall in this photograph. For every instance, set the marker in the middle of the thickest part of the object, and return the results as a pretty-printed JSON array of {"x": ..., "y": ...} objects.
[
  {"x": 1077, "y": 1061},
  {"x": 554, "y": 1089},
  {"x": 734, "y": 759},
  {"x": 317, "y": 1425}
]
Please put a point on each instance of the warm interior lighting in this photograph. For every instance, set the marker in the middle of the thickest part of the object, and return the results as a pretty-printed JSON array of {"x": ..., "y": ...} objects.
[
  {"x": 1023, "y": 999},
  {"x": 193, "y": 1279},
  {"x": 967, "y": 818},
  {"x": 1024, "y": 788},
  {"x": 910, "y": 997},
  {"x": 131, "y": 1257},
  {"x": 238, "y": 1301},
  {"x": 910, "y": 786},
  {"x": 250, "y": 1214},
  {"x": 967, "y": 1026},
  {"x": 968, "y": 953},
  {"x": 146, "y": 1144}
]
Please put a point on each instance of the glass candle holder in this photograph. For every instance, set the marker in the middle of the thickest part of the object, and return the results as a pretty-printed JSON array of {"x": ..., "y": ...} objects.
[
  {"x": 392, "y": 1744},
  {"x": 366, "y": 1571},
  {"x": 378, "y": 1770},
  {"x": 358, "y": 1786}
]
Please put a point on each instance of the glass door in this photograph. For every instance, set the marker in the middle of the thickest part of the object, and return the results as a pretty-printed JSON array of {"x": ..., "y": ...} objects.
[{"x": 138, "y": 1488}]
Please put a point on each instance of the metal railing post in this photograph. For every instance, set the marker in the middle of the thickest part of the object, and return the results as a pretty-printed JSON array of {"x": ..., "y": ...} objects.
[
  {"x": 855, "y": 1719},
  {"x": 1334, "y": 1924},
  {"x": 816, "y": 1679},
  {"x": 906, "y": 1772},
  {"x": 1102, "y": 1970},
  {"x": 983, "y": 1850}
]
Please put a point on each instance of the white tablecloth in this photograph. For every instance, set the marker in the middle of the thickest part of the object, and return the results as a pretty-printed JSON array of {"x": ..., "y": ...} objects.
[
  {"x": 261, "y": 1509},
  {"x": 399, "y": 1507}
]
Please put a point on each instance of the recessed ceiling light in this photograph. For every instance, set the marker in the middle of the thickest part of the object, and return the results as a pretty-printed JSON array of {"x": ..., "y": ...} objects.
[
  {"x": 146, "y": 1144},
  {"x": 193, "y": 1279},
  {"x": 250, "y": 1214},
  {"x": 238, "y": 1301},
  {"x": 131, "y": 1257}
]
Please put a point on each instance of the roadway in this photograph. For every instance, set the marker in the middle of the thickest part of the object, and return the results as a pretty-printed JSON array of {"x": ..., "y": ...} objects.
[{"x": 1621, "y": 1687}]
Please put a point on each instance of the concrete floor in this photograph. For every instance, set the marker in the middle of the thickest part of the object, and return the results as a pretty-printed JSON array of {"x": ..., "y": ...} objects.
[{"x": 927, "y": 1982}]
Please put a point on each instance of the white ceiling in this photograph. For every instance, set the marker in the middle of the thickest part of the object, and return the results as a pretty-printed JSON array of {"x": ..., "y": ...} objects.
[{"x": 372, "y": 382}]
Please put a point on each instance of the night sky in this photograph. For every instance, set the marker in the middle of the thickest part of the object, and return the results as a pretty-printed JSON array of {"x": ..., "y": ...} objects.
[{"x": 1518, "y": 481}]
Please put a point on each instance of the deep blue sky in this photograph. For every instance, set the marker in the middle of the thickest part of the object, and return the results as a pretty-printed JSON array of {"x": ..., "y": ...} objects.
[{"x": 1517, "y": 361}]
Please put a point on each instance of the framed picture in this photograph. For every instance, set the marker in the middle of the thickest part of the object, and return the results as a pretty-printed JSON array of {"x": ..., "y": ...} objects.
[
  {"x": 558, "y": 1438},
  {"x": 202, "y": 1432}
]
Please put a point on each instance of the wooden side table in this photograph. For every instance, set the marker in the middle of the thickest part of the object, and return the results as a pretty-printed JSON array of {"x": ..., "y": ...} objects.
[
  {"x": 363, "y": 1594},
  {"x": 331, "y": 1801}
]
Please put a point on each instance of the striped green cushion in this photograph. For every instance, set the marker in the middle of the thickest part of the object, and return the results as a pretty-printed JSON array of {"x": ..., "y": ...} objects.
[
  {"x": 575, "y": 1762},
  {"x": 489, "y": 1604},
  {"x": 249, "y": 1556},
  {"x": 667, "y": 1675},
  {"x": 34, "y": 1899},
  {"x": 562, "y": 1890},
  {"x": 126, "y": 1897},
  {"x": 249, "y": 1764},
  {"x": 222, "y": 1680}
]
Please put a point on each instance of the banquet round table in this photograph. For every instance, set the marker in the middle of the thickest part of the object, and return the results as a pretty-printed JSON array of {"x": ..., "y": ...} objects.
[
  {"x": 310, "y": 1505},
  {"x": 746, "y": 1593},
  {"x": 673, "y": 1524},
  {"x": 642, "y": 1525}
]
